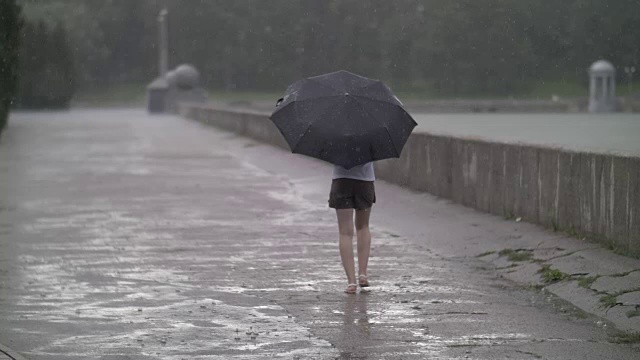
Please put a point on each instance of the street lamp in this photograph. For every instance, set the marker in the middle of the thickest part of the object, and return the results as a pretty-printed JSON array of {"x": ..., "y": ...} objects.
[
  {"x": 629, "y": 70},
  {"x": 163, "y": 42}
]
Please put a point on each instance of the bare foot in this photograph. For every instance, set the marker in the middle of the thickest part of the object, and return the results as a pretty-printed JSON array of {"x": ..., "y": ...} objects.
[
  {"x": 351, "y": 289},
  {"x": 362, "y": 281}
]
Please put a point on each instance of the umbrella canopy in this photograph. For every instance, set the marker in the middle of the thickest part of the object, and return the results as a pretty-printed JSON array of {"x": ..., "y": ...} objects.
[{"x": 343, "y": 118}]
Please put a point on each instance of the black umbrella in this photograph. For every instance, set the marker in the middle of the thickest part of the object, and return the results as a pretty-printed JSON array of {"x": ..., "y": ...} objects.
[{"x": 343, "y": 118}]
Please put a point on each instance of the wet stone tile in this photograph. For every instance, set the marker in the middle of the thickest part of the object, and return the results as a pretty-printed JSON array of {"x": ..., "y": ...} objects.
[{"x": 122, "y": 246}]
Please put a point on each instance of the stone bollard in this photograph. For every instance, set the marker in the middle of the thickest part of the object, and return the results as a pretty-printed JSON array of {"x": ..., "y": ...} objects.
[
  {"x": 157, "y": 94},
  {"x": 184, "y": 86},
  {"x": 178, "y": 85}
]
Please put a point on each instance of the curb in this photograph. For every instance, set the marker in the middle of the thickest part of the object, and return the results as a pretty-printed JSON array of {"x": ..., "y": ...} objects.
[{"x": 4, "y": 350}]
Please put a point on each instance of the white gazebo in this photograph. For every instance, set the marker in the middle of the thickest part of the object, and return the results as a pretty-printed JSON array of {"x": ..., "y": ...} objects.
[{"x": 602, "y": 88}]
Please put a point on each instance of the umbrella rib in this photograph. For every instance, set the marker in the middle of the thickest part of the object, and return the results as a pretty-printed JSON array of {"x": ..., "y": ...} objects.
[
  {"x": 395, "y": 147},
  {"x": 293, "y": 148},
  {"x": 391, "y": 139},
  {"x": 384, "y": 101},
  {"x": 300, "y": 101},
  {"x": 315, "y": 98}
]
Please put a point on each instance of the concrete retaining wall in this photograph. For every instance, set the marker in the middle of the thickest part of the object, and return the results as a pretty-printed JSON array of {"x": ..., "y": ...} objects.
[
  {"x": 253, "y": 124},
  {"x": 585, "y": 194}
]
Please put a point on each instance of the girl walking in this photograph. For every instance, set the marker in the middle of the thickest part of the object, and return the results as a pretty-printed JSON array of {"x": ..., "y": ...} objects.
[{"x": 352, "y": 190}]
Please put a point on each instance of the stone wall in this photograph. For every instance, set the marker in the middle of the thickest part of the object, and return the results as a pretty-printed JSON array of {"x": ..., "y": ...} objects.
[{"x": 596, "y": 196}]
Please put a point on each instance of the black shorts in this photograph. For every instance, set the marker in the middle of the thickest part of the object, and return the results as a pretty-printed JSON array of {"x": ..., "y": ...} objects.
[{"x": 352, "y": 194}]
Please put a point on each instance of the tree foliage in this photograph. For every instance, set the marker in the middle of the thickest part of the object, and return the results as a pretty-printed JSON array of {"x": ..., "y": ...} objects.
[
  {"x": 10, "y": 24},
  {"x": 46, "y": 68},
  {"x": 455, "y": 46}
]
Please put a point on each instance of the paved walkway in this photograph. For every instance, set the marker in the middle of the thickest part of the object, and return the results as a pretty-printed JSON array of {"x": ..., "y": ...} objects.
[{"x": 133, "y": 237}]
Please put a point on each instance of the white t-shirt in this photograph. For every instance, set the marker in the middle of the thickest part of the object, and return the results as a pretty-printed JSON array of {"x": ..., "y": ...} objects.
[{"x": 362, "y": 172}]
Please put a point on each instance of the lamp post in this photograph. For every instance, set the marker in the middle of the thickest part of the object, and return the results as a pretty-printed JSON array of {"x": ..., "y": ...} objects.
[
  {"x": 163, "y": 42},
  {"x": 630, "y": 70}
]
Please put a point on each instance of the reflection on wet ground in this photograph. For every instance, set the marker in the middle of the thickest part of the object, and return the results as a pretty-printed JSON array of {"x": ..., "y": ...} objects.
[
  {"x": 150, "y": 238},
  {"x": 356, "y": 328}
]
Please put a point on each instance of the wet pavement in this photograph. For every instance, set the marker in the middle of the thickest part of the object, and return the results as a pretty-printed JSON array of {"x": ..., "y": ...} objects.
[{"x": 124, "y": 236}]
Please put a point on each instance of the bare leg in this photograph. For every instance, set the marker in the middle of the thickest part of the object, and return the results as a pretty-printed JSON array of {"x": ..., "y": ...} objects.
[
  {"x": 364, "y": 239},
  {"x": 345, "y": 228}
]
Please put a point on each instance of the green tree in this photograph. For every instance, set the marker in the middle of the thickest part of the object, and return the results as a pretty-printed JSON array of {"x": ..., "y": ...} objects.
[
  {"x": 10, "y": 24},
  {"x": 462, "y": 47},
  {"x": 478, "y": 46},
  {"x": 46, "y": 70},
  {"x": 606, "y": 29}
]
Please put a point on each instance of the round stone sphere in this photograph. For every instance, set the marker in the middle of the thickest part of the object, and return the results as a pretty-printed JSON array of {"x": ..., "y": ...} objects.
[
  {"x": 187, "y": 77},
  {"x": 172, "y": 78}
]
